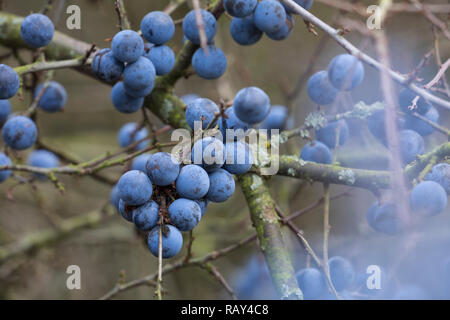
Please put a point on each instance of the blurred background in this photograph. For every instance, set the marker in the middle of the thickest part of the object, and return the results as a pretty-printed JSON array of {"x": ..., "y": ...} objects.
[{"x": 88, "y": 127}]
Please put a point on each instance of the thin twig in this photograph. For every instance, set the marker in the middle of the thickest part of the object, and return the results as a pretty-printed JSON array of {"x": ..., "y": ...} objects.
[
  {"x": 218, "y": 276},
  {"x": 439, "y": 75},
  {"x": 124, "y": 23}
]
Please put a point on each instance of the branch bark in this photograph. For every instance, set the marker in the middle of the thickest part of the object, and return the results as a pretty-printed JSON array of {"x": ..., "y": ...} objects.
[{"x": 267, "y": 226}]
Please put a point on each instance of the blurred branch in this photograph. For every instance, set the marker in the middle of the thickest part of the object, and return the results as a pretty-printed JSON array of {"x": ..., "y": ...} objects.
[
  {"x": 439, "y": 59},
  {"x": 436, "y": 126},
  {"x": 72, "y": 160},
  {"x": 218, "y": 276},
  {"x": 88, "y": 167},
  {"x": 47, "y": 237},
  {"x": 432, "y": 18},
  {"x": 391, "y": 128},
  {"x": 441, "y": 73},
  {"x": 326, "y": 232},
  {"x": 200, "y": 26}
]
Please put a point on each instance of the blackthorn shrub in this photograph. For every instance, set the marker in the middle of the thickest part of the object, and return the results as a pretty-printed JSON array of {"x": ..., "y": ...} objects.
[{"x": 164, "y": 193}]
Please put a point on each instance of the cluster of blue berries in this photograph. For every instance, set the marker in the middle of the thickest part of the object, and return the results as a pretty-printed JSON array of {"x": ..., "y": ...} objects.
[
  {"x": 135, "y": 63},
  {"x": 251, "y": 19},
  {"x": 428, "y": 198},
  {"x": 159, "y": 192},
  {"x": 345, "y": 72},
  {"x": 314, "y": 286},
  {"x": 20, "y": 132}
]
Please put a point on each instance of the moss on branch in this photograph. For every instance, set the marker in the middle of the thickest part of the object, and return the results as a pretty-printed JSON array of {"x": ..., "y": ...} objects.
[
  {"x": 292, "y": 166},
  {"x": 267, "y": 226}
]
